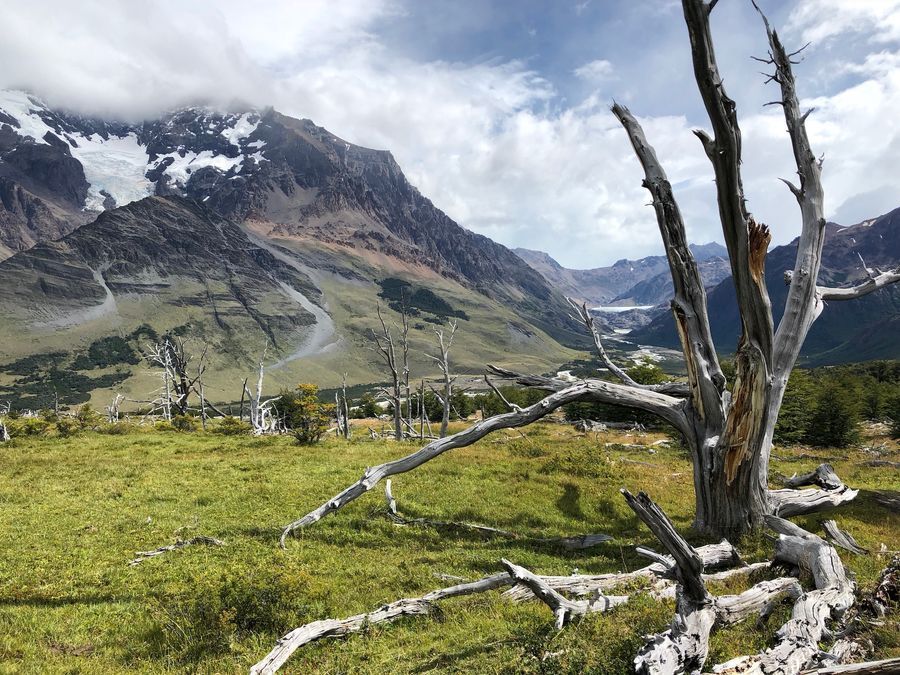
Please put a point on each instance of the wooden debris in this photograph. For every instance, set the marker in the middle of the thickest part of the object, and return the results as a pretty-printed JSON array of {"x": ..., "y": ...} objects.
[
  {"x": 843, "y": 539},
  {"x": 181, "y": 543}
]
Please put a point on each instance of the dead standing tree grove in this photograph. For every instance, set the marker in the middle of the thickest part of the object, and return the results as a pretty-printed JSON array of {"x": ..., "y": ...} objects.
[{"x": 729, "y": 433}]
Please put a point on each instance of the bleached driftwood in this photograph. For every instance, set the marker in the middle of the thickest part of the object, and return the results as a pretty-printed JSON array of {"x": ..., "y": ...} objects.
[
  {"x": 181, "y": 543},
  {"x": 573, "y": 543}
]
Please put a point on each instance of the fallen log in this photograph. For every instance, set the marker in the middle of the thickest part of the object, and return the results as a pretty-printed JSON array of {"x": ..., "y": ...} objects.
[
  {"x": 823, "y": 476},
  {"x": 883, "y": 667},
  {"x": 563, "y": 609},
  {"x": 324, "y": 628}
]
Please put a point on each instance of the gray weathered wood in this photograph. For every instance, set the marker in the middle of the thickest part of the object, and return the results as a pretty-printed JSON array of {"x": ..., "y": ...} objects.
[
  {"x": 843, "y": 539},
  {"x": 325, "y": 628},
  {"x": 882, "y": 667},
  {"x": 181, "y": 543},
  {"x": 564, "y": 610},
  {"x": 798, "y": 639}
]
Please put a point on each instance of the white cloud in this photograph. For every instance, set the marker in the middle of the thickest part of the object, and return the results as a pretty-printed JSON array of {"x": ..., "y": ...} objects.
[
  {"x": 820, "y": 20},
  {"x": 490, "y": 142},
  {"x": 599, "y": 69}
]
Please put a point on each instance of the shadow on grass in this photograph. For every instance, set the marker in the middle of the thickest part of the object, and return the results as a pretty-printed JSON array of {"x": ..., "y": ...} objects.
[{"x": 65, "y": 601}]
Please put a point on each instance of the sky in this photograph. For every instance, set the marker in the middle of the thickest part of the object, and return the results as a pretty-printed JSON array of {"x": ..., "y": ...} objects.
[{"x": 498, "y": 110}]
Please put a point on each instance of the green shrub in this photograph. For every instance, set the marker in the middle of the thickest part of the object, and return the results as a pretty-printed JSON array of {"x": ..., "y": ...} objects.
[
  {"x": 88, "y": 418},
  {"x": 835, "y": 419},
  {"x": 184, "y": 423},
  {"x": 366, "y": 407},
  {"x": 305, "y": 417},
  {"x": 232, "y": 426},
  {"x": 120, "y": 428},
  {"x": 217, "y": 613},
  {"x": 163, "y": 425},
  {"x": 797, "y": 408},
  {"x": 27, "y": 426},
  {"x": 893, "y": 413},
  {"x": 67, "y": 426}
]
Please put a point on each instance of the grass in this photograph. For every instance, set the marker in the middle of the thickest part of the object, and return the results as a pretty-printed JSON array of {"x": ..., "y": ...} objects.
[{"x": 74, "y": 511}]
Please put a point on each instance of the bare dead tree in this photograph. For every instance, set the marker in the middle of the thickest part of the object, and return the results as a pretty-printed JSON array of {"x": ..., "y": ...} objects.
[
  {"x": 729, "y": 434},
  {"x": 4, "y": 411},
  {"x": 384, "y": 344},
  {"x": 263, "y": 419},
  {"x": 445, "y": 341},
  {"x": 112, "y": 410}
]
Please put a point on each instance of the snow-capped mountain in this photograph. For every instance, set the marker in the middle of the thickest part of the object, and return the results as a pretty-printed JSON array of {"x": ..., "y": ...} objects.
[
  {"x": 175, "y": 222},
  {"x": 126, "y": 162}
]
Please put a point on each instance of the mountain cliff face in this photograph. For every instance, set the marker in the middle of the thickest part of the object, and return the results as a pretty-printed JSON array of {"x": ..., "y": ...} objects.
[
  {"x": 626, "y": 282},
  {"x": 865, "y": 328},
  {"x": 259, "y": 227}
]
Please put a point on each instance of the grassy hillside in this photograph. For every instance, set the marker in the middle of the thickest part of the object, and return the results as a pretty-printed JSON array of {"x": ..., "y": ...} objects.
[
  {"x": 37, "y": 360},
  {"x": 75, "y": 510}
]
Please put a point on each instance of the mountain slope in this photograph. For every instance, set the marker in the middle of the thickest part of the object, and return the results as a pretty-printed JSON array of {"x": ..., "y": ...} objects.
[
  {"x": 627, "y": 282},
  {"x": 846, "y": 331},
  {"x": 239, "y": 230}
]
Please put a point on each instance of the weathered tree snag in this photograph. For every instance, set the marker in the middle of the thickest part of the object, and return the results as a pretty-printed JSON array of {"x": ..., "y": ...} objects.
[
  {"x": 443, "y": 361},
  {"x": 4, "y": 432},
  {"x": 729, "y": 434},
  {"x": 384, "y": 343},
  {"x": 843, "y": 539},
  {"x": 573, "y": 543}
]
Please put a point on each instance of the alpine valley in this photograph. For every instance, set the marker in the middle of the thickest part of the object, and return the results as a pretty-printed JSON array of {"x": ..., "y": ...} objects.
[{"x": 259, "y": 234}]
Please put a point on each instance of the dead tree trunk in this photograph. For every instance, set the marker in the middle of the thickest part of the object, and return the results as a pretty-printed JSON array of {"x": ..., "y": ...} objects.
[
  {"x": 384, "y": 343},
  {"x": 729, "y": 433},
  {"x": 4, "y": 432},
  {"x": 443, "y": 361}
]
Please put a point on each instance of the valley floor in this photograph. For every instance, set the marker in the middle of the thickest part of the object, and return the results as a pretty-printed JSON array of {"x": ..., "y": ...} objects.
[{"x": 74, "y": 511}]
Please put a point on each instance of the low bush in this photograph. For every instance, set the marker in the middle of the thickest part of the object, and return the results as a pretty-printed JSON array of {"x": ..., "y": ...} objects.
[
  {"x": 217, "y": 613},
  {"x": 67, "y": 426},
  {"x": 231, "y": 426},
  {"x": 185, "y": 423},
  {"x": 27, "y": 426}
]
